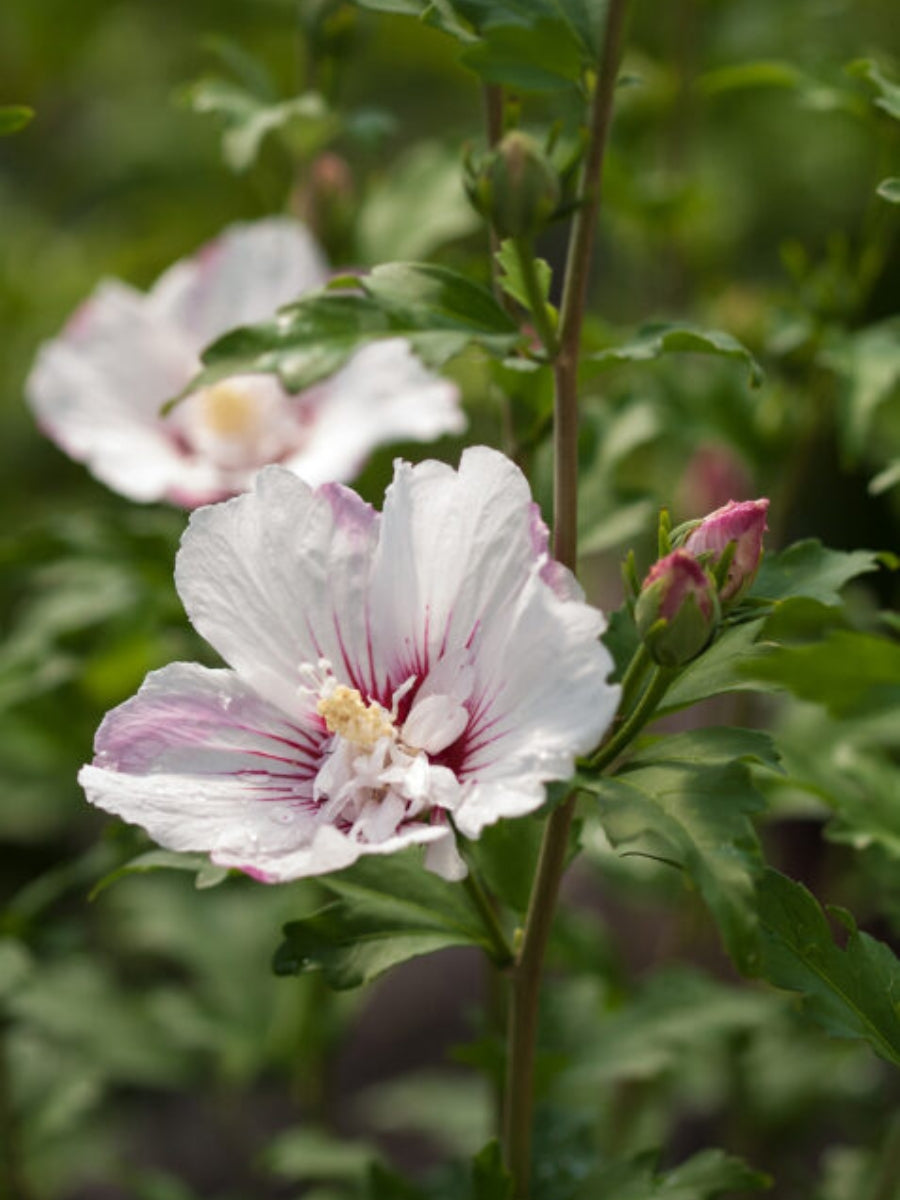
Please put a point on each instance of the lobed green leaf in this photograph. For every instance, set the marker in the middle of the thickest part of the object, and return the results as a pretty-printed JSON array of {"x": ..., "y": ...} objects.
[
  {"x": 694, "y": 815},
  {"x": 439, "y": 311},
  {"x": 852, "y": 992},
  {"x": 703, "y": 1177},
  {"x": 389, "y": 910},
  {"x": 532, "y": 45}
]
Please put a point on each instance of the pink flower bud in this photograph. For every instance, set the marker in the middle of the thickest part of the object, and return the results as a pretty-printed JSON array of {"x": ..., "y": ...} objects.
[
  {"x": 742, "y": 522},
  {"x": 677, "y": 610}
]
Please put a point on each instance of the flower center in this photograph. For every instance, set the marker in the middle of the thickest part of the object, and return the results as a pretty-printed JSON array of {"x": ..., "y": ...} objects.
[
  {"x": 347, "y": 714},
  {"x": 240, "y": 423},
  {"x": 229, "y": 411}
]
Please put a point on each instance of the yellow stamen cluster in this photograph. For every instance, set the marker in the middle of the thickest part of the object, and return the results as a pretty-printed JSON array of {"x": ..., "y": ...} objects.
[
  {"x": 346, "y": 714},
  {"x": 229, "y": 411}
]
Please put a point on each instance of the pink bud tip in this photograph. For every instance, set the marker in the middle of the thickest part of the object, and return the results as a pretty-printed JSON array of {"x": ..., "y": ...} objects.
[{"x": 742, "y": 522}]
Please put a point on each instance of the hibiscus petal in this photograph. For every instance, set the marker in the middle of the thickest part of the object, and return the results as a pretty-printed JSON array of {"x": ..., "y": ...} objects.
[
  {"x": 278, "y": 578},
  {"x": 540, "y": 699},
  {"x": 97, "y": 389},
  {"x": 383, "y": 395},
  {"x": 455, "y": 547},
  {"x": 203, "y": 764},
  {"x": 240, "y": 278}
]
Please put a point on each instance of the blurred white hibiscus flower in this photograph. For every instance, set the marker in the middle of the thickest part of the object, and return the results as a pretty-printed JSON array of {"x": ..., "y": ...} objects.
[{"x": 98, "y": 389}]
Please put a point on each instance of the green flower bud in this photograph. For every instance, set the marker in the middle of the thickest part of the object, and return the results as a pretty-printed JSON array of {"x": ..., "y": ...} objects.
[
  {"x": 677, "y": 610},
  {"x": 515, "y": 187}
]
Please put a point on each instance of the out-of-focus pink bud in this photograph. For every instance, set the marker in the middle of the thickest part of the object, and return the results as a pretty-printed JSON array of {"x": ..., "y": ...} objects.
[
  {"x": 713, "y": 475},
  {"x": 742, "y": 522},
  {"x": 677, "y": 610}
]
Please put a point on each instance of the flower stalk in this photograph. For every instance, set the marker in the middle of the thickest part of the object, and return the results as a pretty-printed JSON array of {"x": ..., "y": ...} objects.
[{"x": 525, "y": 991}]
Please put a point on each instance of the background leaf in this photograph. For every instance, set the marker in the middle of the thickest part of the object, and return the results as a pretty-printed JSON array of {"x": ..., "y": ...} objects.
[
  {"x": 852, "y": 992},
  {"x": 694, "y": 815},
  {"x": 438, "y": 310},
  {"x": 654, "y": 340}
]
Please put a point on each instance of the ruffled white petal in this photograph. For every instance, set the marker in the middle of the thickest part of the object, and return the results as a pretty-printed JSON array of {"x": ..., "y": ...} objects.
[
  {"x": 383, "y": 395},
  {"x": 239, "y": 279},
  {"x": 203, "y": 764},
  {"x": 97, "y": 389},
  {"x": 279, "y": 578},
  {"x": 539, "y": 700},
  {"x": 455, "y": 546}
]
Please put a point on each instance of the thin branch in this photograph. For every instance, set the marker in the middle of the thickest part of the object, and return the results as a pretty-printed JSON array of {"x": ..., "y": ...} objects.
[{"x": 522, "y": 1034}]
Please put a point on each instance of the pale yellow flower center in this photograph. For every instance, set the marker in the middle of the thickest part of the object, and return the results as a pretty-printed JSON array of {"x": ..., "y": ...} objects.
[
  {"x": 347, "y": 714},
  {"x": 229, "y": 411}
]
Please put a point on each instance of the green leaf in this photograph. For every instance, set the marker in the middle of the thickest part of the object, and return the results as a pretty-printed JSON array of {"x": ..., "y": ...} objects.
[
  {"x": 14, "y": 117},
  {"x": 451, "y": 1110},
  {"x": 868, "y": 363},
  {"x": 654, "y": 340},
  {"x": 390, "y": 909},
  {"x": 490, "y": 1179},
  {"x": 512, "y": 281},
  {"x": 703, "y": 1177},
  {"x": 696, "y": 816},
  {"x": 888, "y": 98},
  {"x": 657, "y": 1032},
  {"x": 763, "y": 73},
  {"x": 811, "y": 570},
  {"x": 886, "y": 479},
  {"x": 851, "y": 992},
  {"x": 16, "y": 967},
  {"x": 810, "y": 92},
  {"x": 540, "y": 58},
  {"x": 438, "y": 310},
  {"x": 716, "y": 744},
  {"x": 718, "y": 670},
  {"x": 541, "y": 45},
  {"x": 848, "y": 672},
  {"x": 207, "y": 874},
  {"x": 507, "y": 854},
  {"x": 889, "y": 189},
  {"x": 426, "y": 180},
  {"x": 306, "y": 121},
  {"x": 307, "y": 1153}
]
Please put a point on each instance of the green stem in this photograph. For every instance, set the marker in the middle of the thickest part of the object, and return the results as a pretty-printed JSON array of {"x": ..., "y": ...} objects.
[
  {"x": 643, "y": 711},
  {"x": 537, "y": 304},
  {"x": 578, "y": 265},
  {"x": 526, "y": 980},
  {"x": 525, "y": 999},
  {"x": 633, "y": 677},
  {"x": 502, "y": 951}
]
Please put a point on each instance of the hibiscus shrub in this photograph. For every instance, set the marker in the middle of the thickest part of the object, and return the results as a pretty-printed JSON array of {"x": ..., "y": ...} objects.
[{"x": 541, "y": 431}]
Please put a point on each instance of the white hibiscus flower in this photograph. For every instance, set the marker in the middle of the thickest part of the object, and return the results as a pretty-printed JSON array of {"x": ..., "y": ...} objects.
[
  {"x": 97, "y": 389},
  {"x": 392, "y": 678}
]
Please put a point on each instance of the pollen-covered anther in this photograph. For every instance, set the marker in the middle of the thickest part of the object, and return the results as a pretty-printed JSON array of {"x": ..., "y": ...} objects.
[{"x": 347, "y": 714}]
